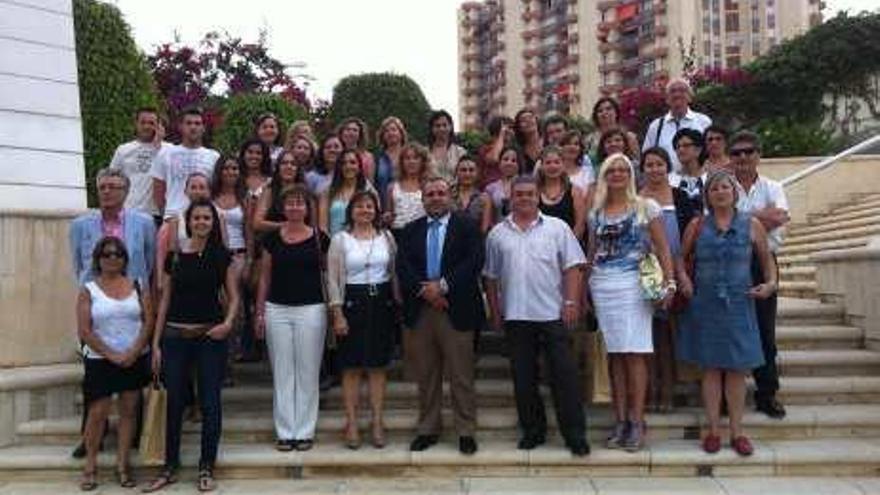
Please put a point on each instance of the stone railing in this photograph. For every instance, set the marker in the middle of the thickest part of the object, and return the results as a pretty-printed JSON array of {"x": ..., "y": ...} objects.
[
  {"x": 850, "y": 276},
  {"x": 835, "y": 185}
]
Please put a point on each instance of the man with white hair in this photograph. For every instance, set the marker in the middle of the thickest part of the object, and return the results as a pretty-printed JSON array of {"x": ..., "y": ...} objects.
[{"x": 680, "y": 116}]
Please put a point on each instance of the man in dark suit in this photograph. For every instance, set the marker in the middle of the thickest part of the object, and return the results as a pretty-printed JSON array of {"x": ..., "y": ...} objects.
[{"x": 439, "y": 259}]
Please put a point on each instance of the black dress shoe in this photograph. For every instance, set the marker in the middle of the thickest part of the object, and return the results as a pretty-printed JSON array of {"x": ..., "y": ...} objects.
[
  {"x": 529, "y": 442},
  {"x": 467, "y": 445},
  {"x": 80, "y": 451},
  {"x": 579, "y": 448},
  {"x": 423, "y": 442},
  {"x": 771, "y": 407}
]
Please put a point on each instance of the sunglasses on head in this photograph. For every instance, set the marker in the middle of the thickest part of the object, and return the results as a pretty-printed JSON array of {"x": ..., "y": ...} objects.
[{"x": 742, "y": 152}]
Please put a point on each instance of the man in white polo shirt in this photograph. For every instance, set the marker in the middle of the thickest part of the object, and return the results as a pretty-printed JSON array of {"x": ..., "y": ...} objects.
[
  {"x": 765, "y": 199},
  {"x": 680, "y": 116},
  {"x": 533, "y": 283}
]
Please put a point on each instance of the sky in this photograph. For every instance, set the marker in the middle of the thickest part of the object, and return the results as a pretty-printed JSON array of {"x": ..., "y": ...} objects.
[{"x": 335, "y": 38}]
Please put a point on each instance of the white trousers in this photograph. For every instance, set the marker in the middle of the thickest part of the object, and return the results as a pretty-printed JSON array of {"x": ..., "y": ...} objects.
[{"x": 295, "y": 338}]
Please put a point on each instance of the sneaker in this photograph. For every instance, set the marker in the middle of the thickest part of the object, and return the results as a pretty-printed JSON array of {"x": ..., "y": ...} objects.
[
  {"x": 618, "y": 433},
  {"x": 742, "y": 446},
  {"x": 634, "y": 440}
]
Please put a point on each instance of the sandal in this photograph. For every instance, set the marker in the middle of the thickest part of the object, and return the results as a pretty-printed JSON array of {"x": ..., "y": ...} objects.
[
  {"x": 352, "y": 436},
  {"x": 89, "y": 481},
  {"x": 165, "y": 478},
  {"x": 124, "y": 478},
  {"x": 378, "y": 439},
  {"x": 206, "y": 481}
]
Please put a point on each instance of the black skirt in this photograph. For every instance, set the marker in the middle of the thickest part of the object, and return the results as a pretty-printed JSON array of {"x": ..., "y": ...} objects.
[
  {"x": 103, "y": 378},
  {"x": 369, "y": 311}
]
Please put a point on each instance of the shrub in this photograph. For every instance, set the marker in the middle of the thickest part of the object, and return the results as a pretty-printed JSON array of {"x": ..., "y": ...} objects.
[
  {"x": 240, "y": 112},
  {"x": 113, "y": 82}
]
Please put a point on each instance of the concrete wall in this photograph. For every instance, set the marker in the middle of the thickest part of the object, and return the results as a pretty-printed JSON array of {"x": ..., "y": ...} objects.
[
  {"x": 832, "y": 186},
  {"x": 37, "y": 289},
  {"x": 41, "y": 148}
]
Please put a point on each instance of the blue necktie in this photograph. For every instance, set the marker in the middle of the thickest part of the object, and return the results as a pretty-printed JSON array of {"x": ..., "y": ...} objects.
[{"x": 433, "y": 271}]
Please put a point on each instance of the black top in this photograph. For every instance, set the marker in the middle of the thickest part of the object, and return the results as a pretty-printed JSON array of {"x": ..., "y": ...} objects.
[
  {"x": 196, "y": 279},
  {"x": 296, "y": 274},
  {"x": 686, "y": 207},
  {"x": 563, "y": 209}
]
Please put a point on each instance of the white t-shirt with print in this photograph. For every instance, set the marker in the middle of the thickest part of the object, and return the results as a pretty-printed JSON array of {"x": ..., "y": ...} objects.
[
  {"x": 173, "y": 165},
  {"x": 135, "y": 160}
]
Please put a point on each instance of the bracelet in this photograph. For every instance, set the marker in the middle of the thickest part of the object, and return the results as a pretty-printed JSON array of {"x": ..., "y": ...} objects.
[{"x": 569, "y": 302}]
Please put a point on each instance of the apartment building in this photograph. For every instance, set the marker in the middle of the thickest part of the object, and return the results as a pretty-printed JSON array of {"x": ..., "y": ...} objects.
[{"x": 562, "y": 55}]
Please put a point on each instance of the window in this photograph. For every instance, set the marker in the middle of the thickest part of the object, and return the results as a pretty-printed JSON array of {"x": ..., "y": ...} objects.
[
  {"x": 731, "y": 21},
  {"x": 756, "y": 23},
  {"x": 771, "y": 21},
  {"x": 756, "y": 48},
  {"x": 733, "y": 62},
  {"x": 707, "y": 47},
  {"x": 648, "y": 69},
  {"x": 716, "y": 26},
  {"x": 731, "y": 5},
  {"x": 707, "y": 23}
]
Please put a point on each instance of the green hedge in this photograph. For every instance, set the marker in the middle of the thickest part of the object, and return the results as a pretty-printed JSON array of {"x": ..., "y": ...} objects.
[
  {"x": 372, "y": 97},
  {"x": 240, "y": 112},
  {"x": 113, "y": 82}
]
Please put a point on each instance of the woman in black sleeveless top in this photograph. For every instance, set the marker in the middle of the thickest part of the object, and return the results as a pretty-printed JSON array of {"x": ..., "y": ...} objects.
[{"x": 557, "y": 197}]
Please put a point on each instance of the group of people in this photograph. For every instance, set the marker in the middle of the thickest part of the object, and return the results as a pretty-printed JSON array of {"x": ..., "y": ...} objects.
[{"x": 326, "y": 251}]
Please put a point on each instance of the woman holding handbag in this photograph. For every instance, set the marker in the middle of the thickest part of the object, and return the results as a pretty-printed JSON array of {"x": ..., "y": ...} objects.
[
  {"x": 114, "y": 320},
  {"x": 626, "y": 230},
  {"x": 292, "y": 317},
  {"x": 191, "y": 331}
]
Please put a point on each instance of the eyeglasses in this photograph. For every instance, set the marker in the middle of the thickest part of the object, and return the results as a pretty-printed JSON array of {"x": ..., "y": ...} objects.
[
  {"x": 111, "y": 254},
  {"x": 685, "y": 145},
  {"x": 743, "y": 152},
  {"x": 108, "y": 187}
]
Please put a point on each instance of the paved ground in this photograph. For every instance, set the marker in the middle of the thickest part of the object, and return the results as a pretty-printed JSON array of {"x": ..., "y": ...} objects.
[{"x": 497, "y": 486}]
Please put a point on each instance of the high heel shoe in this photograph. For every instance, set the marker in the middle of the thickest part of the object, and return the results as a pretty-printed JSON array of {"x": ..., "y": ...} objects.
[{"x": 352, "y": 436}]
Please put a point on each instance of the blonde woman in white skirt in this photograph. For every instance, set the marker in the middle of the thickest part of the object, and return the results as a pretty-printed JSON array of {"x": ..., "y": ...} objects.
[{"x": 625, "y": 228}]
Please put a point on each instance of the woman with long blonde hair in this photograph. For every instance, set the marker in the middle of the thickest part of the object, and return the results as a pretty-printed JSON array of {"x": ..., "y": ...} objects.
[{"x": 625, "y": 229}]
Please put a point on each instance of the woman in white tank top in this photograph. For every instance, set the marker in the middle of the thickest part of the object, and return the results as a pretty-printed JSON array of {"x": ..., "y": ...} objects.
[
  {"x": 405, "y": 193},
  {"x": 113, "y": 319}
]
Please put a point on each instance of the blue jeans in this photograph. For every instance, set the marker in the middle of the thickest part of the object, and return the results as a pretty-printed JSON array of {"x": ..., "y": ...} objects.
[{"x": 179, "y": 356}]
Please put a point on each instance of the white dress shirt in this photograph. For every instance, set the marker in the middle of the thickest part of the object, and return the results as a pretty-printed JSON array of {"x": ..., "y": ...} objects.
[
  {"x": 671, "y": 125},
  {"x": 764, "y": 193}
]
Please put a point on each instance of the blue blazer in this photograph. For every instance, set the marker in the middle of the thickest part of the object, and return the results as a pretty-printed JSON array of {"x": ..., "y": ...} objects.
[{"x": 139, "y": 234}]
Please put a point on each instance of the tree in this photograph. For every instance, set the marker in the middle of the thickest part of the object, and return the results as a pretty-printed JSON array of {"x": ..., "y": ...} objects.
[
  {"x": 372, "y": 97},
  {"x": 221, "y": 66},
  {"x": 113, "y": 82},
  {"x": 240, "y": 113},
  {"x": 794, "y": 91}
]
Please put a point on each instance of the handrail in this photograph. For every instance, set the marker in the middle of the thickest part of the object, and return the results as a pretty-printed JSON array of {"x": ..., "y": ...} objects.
[{"x": 827, "y": 162}]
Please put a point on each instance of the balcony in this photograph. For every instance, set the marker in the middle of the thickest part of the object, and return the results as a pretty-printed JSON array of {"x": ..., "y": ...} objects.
[
  {"x": 661, "y": 52},
  {"x": 608, "y": 68},
  {"x": 609, "y": 89},
  {"x": 470, "y": 92},
  {"x": 573, "y": 38},
  {"x": 529, "y": 71},
  {"x": 660, "y": 7},
  {"x": 470, "y": 57},
  {"x": 572, "y": 18},
  {"x": 573, "y": 59},
  {"x": 605, "y": 47},
  {"x": 470, "y": 108}
]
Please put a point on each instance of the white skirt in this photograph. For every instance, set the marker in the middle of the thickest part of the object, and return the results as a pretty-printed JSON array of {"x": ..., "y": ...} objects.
[{"x": 624, "y": 316}]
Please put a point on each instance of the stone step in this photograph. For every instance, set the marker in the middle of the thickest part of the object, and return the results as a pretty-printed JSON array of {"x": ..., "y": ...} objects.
[
  {"x": 836, "y": 234},
  {"x": 821, "y": 225},
  {"x": 798, "y": 273},
  {"x": 806, "y": 312},
  {"x": 499, "y": 458},
  {"x": 491, "y": 365},
  {"x": 805, "y": 289},
  {"x": 579, "y": 484},
  {"x": 814, "y": 247},
  {"x": 822, "y": 218},
  {"x": 810, "y": 421},
  {"x": 829, "y": 362},
  {"x": 859, "y": 205},
  {"x": 793, "y": 260}
]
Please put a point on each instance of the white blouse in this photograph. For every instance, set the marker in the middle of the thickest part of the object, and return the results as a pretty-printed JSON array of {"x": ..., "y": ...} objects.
[{"x": 366, "y": 260}]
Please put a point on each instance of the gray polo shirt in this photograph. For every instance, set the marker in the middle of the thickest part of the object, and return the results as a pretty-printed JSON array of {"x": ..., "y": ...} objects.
[{"x": 528, "y": 264}]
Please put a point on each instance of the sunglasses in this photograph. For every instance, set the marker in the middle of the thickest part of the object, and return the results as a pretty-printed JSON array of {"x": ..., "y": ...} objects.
[
  {"x": 743, "y": 152},
  {"x": 111, "y": 254}
]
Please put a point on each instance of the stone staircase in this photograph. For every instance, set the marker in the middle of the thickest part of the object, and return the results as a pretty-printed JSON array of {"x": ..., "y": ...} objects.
[
  {"x": 846, "y": 226},
  {"x": 830, "y": 384}
]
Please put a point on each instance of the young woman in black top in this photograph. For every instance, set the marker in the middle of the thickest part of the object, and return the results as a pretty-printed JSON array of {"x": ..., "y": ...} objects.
[
  {"x": 557, "y": 197},
  {"x": 191, "y": 331},
  {"x": 292, "y": 317}
]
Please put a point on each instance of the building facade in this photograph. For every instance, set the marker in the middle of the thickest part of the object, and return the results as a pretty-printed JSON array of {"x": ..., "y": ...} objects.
[{"x": 562, "y": 55}]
